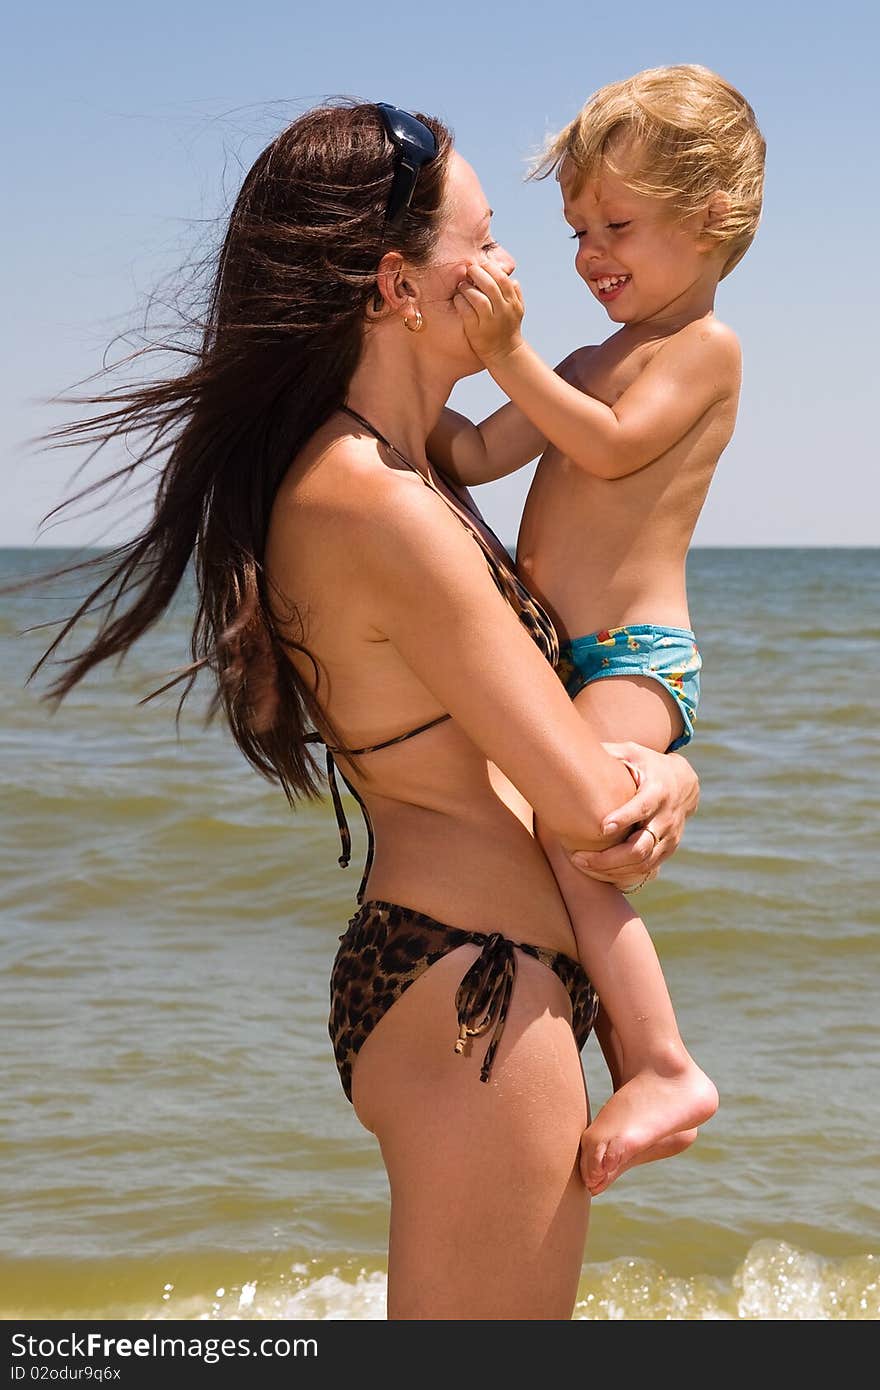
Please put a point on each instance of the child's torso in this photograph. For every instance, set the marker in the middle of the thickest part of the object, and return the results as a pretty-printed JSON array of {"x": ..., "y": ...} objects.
[{"x": 603, "y": 553}]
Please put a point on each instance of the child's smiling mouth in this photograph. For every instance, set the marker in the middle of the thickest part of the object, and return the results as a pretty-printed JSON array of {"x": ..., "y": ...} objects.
[{"x": 609, "y": 286}]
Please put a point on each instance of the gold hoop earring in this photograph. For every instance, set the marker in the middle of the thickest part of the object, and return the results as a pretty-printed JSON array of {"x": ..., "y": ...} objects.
[{"x": 415, "y": 323}]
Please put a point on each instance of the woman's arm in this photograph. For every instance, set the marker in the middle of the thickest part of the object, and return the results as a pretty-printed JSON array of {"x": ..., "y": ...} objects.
[
  {"x": 434, "y": 599},
  {"x": 668, "y": 792}
]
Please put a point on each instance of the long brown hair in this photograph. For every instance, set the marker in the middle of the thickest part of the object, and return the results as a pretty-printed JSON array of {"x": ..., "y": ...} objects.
[{"x": 273, "y": 359}]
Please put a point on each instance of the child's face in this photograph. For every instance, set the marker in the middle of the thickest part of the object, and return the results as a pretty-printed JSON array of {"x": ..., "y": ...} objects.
[{"x": 638, "y": 256}]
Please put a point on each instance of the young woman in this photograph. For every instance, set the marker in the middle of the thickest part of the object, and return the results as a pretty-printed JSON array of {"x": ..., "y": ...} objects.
[{"x": 349, "y": 596}]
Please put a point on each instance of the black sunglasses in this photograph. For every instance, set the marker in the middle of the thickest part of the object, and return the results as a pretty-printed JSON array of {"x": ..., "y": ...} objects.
[{"x": 415, "y": 146}]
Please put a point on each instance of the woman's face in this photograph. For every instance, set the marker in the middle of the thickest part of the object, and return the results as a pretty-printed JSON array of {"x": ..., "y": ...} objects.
[{"x": 465, "y": 238}]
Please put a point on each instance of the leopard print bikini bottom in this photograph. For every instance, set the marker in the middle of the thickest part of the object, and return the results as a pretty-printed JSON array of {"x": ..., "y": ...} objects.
[{"x": 387, "y": 947}]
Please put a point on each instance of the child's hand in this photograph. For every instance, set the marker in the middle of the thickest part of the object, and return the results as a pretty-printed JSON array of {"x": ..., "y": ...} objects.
[{"x": 491, "y": 307}]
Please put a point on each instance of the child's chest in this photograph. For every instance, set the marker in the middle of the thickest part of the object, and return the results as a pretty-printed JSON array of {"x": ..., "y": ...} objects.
[{"x": 605, "y": 372}]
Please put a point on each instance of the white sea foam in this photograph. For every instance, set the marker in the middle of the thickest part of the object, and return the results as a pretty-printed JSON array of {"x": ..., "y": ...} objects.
[{"x": 775, "y": 1282}]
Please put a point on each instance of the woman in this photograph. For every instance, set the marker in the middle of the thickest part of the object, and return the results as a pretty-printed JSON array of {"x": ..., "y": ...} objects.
[{"x": 349, "y": 594}]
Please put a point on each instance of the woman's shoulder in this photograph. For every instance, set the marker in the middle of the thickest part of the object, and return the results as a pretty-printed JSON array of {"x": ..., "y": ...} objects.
[{"x": 345, "y": 486}]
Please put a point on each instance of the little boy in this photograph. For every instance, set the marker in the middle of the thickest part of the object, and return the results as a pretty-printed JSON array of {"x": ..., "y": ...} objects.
[{"x": 662, "y": 181}]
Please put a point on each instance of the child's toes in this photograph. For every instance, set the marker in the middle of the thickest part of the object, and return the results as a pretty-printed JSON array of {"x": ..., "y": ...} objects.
[
  {"x": 600, "y": 1175},
  {"x": 593, "y": 1162},
  {"x": 596, "y": 1189},
  {"x": 613, "y": 1159}
]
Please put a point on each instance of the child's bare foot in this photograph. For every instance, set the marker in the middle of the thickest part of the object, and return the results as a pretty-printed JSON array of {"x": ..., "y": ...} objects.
[
  {"x": 651, "y": 1116},
  {"x": 665, "y": 1148}
]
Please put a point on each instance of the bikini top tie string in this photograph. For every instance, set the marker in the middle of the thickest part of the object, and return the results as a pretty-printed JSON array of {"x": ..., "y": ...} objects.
[{"x": 338, "y": 807}]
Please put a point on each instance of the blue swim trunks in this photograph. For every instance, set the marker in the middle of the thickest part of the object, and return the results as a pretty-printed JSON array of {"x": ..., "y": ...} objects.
[{"x": 667, "y": 654}]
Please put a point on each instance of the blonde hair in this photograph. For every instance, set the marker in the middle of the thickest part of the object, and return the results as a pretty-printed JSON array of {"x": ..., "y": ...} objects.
[{"x": 692, "y": 134}]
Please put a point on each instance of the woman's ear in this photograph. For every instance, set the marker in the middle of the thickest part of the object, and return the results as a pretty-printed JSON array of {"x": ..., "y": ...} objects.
[{"x": 392, "y": 291}]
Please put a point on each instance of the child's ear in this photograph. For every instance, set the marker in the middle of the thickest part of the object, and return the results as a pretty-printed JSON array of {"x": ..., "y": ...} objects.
[
  {"x": 717, "y": 210},
  {"x": 715, "y": 213}
]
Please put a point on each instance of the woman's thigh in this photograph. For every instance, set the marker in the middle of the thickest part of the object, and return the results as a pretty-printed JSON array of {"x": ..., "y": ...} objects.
[{"x": 488, "y": 1212}]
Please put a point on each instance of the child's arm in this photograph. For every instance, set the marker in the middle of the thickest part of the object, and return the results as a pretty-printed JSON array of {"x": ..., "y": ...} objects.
[
  {"x": 472, "y": 454},
  {"x": 696, "y": 368},
  {"x": 502, "y": 443}
]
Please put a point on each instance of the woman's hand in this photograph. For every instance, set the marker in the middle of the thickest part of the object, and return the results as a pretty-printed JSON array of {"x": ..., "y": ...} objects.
[
  {"x": 668, "y": 792},
  {"x": 491, "y": 307}
]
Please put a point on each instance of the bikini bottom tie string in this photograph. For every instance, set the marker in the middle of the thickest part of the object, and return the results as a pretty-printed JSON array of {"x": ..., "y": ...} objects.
[{"x": 483, "y": 997}]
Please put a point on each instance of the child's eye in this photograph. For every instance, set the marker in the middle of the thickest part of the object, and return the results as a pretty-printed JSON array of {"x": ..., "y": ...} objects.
[
  {"x": 576, "y": 236},
  {"x": 618, "y": 226}
]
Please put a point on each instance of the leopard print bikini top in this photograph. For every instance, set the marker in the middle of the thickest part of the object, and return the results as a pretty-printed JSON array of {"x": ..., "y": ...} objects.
[{"x": 536, "y": 621}]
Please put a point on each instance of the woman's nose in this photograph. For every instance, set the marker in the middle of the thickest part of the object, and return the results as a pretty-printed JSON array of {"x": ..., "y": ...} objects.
[{"x": 504, "y": 259}]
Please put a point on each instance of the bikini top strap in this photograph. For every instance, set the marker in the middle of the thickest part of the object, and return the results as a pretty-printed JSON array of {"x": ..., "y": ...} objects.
[
  {"x": 371, "y": 429},
  {"x": 496, "y": 564},
  {"x": 377, "y": 747}
]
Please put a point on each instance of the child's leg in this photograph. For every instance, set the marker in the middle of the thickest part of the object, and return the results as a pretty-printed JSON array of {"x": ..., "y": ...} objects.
[
  {"x": 661, "y": 1095},
  {"x": 656, "y": 716}
]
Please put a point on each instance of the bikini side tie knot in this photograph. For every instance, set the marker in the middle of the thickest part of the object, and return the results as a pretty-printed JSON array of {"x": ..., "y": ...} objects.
[{"x": 483, "y": 997}]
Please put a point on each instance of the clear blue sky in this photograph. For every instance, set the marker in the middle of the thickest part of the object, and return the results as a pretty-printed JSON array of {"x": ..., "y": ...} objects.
[{"x": 127, "y": 125}]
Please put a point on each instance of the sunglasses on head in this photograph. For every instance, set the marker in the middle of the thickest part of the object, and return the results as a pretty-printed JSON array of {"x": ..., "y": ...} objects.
[{"x": 415, "y": 146}]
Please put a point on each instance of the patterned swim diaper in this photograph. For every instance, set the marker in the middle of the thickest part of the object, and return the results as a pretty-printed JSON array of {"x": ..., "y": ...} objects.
[{"x": 666, "y": 654}]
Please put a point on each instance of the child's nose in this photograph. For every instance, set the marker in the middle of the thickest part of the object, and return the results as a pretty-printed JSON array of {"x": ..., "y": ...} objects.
[{"x": 589, "y": 251}]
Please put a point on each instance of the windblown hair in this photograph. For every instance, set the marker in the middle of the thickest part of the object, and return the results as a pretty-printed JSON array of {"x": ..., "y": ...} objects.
[
  {"x": 679, "y": 133},
  {"x": 272, "y": 359}
]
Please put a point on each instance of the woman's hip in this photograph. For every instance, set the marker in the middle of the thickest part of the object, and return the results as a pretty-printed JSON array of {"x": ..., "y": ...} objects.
[{"x": 474, "y": 985}]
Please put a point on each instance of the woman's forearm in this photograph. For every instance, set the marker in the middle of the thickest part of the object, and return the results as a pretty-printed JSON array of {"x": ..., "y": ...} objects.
[{"x": 668, "y": 793}]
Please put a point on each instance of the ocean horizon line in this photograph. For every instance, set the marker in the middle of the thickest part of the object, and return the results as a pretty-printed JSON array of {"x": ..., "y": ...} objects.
[{"x": 728, "y": 545}]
